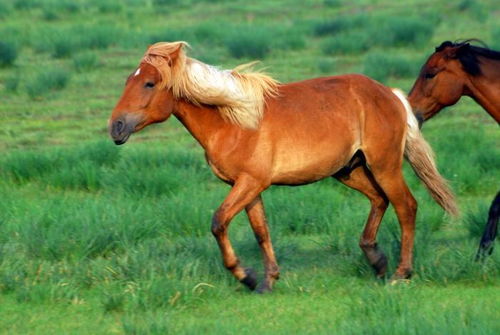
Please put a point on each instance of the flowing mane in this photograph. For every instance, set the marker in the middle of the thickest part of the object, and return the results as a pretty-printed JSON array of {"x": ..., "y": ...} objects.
[{"x": 239, "y": 96}]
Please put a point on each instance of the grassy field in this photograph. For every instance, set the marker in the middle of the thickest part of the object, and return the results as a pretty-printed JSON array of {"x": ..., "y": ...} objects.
[{"x": 99, "y": 239}]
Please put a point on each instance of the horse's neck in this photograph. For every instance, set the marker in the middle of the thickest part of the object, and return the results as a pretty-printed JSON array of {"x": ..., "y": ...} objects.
[
  {"x": 201, "y": 121},
  {"x": 485, "y": 88}
]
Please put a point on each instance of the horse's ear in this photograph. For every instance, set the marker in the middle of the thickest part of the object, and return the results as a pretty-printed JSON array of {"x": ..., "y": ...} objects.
[
  {"x": 174, "y": 55},
  {"x": 458, "y": 51},
  {"x": 444, "y": 45}
]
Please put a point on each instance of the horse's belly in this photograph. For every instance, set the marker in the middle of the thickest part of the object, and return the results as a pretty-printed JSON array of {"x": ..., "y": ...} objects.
[{"x": 297, "y": 167}]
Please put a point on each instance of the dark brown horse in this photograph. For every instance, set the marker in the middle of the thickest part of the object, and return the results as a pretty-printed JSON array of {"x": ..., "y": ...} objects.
[
  {"x": 257, "y": 132},
  {"x": 454, "y": 70}
]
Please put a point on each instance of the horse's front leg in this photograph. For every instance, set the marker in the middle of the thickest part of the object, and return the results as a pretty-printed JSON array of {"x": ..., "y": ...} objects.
[
  {"x": 257, "y": 218},
  {"x": 244, "y": 191}
]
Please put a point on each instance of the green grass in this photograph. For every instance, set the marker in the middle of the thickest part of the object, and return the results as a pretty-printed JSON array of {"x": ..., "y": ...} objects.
[
  {"x": 85, "y": 61},
  {"x": 380, "y": 66},
  {"x": 252, "y": 42},
  {"x": 8, "y": 54},
  {"x": 407, "y": 31},
  {"x": 355, "y": 42},
  {"x": 100, "y": 239},
  {"x": 340, "y": 24},
  {"x": 46, "y": 81}
]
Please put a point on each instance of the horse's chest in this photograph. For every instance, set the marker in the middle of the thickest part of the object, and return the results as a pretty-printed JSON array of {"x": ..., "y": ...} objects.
[{"x": 219, "y": 170}]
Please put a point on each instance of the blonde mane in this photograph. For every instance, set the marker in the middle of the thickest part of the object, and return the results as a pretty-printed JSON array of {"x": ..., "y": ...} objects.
[{"x": 239, "y": 96}]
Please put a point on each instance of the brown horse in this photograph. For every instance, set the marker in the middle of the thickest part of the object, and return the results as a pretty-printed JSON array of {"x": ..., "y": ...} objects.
[
  {"x": 454, "y": 70},
  {"x": 257, "y": 132}
]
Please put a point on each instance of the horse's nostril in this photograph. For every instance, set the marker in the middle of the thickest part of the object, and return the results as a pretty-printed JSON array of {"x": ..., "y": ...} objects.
[{"x": 119, "y": 125}]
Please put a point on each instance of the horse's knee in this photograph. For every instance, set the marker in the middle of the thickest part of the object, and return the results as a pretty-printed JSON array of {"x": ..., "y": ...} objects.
[
  {"x": 412, "y": 205},
  {"x": 218, "y": 227},
  {"x": 380, "y": 203}
]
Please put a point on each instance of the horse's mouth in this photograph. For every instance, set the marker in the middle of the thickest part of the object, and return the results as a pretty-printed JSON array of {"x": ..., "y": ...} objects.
[
  {"x": 121, "y": 129},
  {"x": 122, "y": 139}
]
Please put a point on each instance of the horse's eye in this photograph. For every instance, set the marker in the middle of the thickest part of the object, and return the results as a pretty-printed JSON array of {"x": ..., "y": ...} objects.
[
  {"x": 429, "y": 75},
  {"x": 149, "y": 84}
]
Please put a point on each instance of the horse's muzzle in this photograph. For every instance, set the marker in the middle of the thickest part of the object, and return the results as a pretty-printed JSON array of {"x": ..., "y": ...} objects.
[
  {"x": 121, "y": 129},
  {"x": 419, "y": 115}
]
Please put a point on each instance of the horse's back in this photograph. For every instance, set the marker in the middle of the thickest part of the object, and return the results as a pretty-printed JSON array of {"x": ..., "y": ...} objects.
[
  {"x": 349, "y": 106},
  {"x": 334, "y": 95},
  {"x": 315, "y": 126}
]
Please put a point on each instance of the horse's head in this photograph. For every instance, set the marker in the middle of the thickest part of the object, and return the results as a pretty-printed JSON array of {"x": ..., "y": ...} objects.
[
  {"x": 442, "y": 80},
  {"x": 147, "y": 97}
]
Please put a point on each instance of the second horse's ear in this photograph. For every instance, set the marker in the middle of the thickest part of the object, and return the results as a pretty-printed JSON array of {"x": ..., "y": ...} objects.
[
  {"x": 444, "y": 45},
  {"x": 457, "y": 51}
]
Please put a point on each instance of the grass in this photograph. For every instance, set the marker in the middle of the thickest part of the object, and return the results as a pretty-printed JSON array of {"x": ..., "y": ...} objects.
[
  {"x": 64, "y": 42},
  {"x": 495, "y": 38},
  {"x": 46, "y": 81},
  {"x": 347, "y": 44},
  {"x": 5, "y": 9},
  {"x": 85, "y": 61},
  {"x": 326, "y": 65},
  {"x": 8, "y": 53},
  {"x": 355, "y": 34},
  {"x": 340, "y": 24},
  {"x": 381, "y": 66},
  {"x": 409, "y": 31},
  {"x": 11, "y": 82},
  {"x": 100, "y": 239},
  {"x": 252, "y": 42},
  {"x": 64, "y": 46}
]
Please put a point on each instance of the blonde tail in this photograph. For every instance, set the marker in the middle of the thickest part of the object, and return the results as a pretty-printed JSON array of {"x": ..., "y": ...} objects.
[{"x": 421, "y": 158}]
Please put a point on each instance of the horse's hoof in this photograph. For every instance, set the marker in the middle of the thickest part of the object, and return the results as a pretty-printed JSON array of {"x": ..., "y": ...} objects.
[
  {"x": 380, "y": 266},
  {"x": 250, "y": 279},
  {"x": 401, "y": 278},
  {"x": 264, "y": 289},
  {"x": 394, "y": 282}
]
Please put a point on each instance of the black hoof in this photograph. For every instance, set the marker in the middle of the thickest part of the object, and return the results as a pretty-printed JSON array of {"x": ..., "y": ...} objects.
[
  {"x": 250, "y": 279},
  {"x": 264, "y": 288},
  {"x": 380, "y": 266},
  {"x": 376, "y": 258}
]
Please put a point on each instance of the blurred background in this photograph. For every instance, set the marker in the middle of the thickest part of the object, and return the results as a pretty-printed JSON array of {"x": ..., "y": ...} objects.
[{"x": 63, "y": 63}]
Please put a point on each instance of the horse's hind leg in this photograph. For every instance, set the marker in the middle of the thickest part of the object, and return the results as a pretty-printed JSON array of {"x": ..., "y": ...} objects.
[
  {"x": 361, "y": 180},
  {"x": 256, "y": 215},
  {"x": 390, "y": 179}
]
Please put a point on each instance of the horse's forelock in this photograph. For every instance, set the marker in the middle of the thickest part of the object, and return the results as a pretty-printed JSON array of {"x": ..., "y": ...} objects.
[
  {"x": 160, "y": 56},
  {"x": 162, "y": 66}
]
